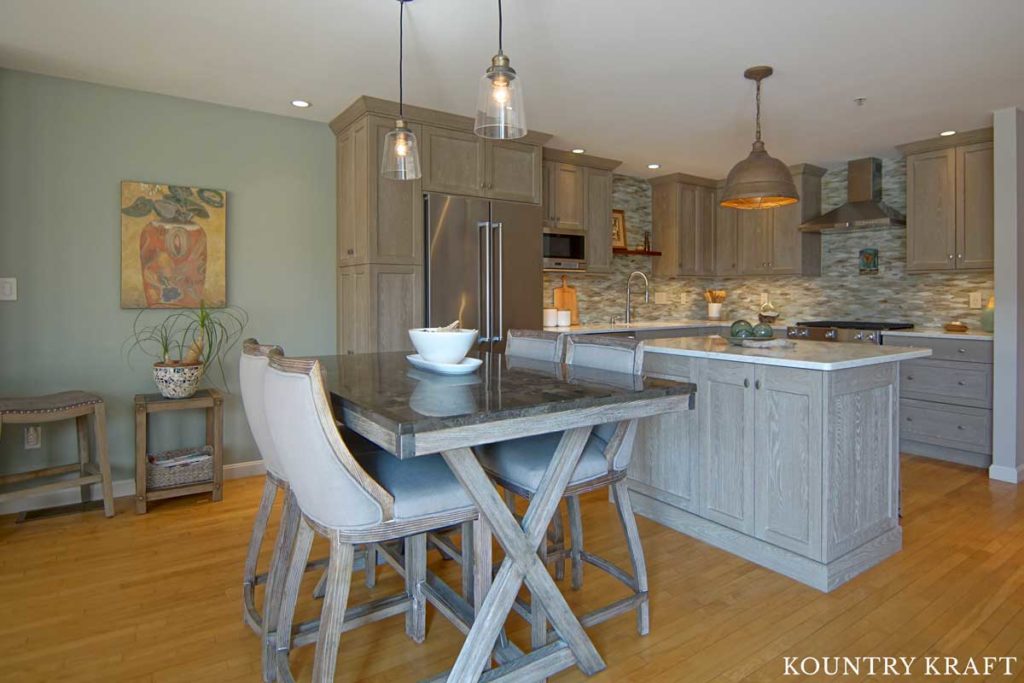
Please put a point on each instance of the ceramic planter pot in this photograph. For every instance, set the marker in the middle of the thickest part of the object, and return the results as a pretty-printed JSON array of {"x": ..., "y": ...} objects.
[
  {"x": 173, "y": 257},
  {"x": 177, "y": 380}
]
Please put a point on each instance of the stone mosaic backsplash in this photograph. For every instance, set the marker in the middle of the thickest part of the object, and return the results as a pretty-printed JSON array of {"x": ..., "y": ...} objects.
[{"x": 841, "y": 292}]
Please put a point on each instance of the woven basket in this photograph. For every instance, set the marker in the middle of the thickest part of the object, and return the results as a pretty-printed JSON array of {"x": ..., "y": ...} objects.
[{"x": 179, "y": 475}]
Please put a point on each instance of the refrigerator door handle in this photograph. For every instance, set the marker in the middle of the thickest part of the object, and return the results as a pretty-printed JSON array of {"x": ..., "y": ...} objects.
[
  {"x": 484, "y": 231},
  {"x": 500, "y": 298}
]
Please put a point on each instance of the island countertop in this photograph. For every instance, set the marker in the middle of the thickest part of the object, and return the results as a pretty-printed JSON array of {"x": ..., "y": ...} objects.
[
  {"x": 644, "y": 326},
  {"x": 810, "y": 355}
]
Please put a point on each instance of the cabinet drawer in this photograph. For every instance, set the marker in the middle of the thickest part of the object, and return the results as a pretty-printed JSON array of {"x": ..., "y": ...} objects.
[
  {"x": 963, "y": 428},
  {"x": 946, "y": 381},
  {"x": 968, "y": 350}
]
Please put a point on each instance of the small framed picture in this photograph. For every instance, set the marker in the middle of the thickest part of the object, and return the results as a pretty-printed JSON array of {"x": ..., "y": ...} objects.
[
  {"x": 868, "y": 262},
  {"x": 618, "y": 228}
]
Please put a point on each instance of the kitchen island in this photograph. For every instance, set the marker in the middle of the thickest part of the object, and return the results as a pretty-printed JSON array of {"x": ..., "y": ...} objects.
[{"x": 790, "y": 460}]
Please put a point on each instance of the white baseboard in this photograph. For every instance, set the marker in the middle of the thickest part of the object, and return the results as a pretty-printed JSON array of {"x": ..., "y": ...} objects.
[
  {"x": 1011, "y": 475},
  {"x": 122, "y": 487}
]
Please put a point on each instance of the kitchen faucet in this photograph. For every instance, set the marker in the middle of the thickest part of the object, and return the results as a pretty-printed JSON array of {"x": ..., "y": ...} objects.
[{"x": 647, "y": 292}]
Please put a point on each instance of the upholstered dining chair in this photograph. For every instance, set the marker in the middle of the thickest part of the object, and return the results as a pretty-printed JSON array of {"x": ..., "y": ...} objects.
[
  {"x": 518, "y": 465},
  {"x": 252, "y": 370},
  {"x": 370, "y": 501}
]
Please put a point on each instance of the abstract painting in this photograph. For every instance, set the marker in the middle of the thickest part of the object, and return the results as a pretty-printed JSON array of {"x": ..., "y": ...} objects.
[
  {"x": 172, "y": 246},
  {"x": 868, "y": 262},
  {"x": 619, "y": 228}
]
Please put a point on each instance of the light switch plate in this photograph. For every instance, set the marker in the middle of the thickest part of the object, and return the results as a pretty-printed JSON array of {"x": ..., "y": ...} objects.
[
  {"x": 661, "y": 297},
  {"x": 8, "y": 289},
  {"x": 975, "y": 300},
  {"x": 33, "y": 437}
]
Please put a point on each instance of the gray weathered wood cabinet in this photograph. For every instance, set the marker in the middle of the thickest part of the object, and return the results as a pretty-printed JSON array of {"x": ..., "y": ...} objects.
[
  {"x": 950, "y": 187},
  {"x": 683, "y": 224},
  {"x": 578, "y": 197},
  {"x": 380, "y": 221},
  {"x": 793, "y": 468}
]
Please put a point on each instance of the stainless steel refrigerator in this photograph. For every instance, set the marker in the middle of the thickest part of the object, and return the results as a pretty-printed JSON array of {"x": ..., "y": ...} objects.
[{"x": 483, "y": 265}]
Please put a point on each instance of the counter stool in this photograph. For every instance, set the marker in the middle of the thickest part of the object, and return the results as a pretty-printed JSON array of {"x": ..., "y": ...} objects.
[{"x": 79, "y": 405}]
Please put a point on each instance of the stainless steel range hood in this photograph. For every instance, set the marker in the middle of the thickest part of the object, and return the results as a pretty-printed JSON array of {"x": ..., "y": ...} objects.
[{"x": 864, "y": 207}]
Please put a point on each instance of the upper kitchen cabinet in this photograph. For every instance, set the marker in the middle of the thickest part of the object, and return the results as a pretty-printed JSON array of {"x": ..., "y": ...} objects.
[
  {"x": 726, "y": 245},
  {"x": 379, "y": 220},
  {"x": 683, "y": 224},
  {"x": 578, "y": 196},
  {"x": 769, "y": 241},
  {"x": 950, "y": 202},
  {"x": 512, "y": 171},
  {"x": 452, "y": 162}
]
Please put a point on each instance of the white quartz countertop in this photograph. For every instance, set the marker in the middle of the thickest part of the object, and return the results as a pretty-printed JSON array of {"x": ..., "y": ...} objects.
[
  {"x": 810, "y": 355},
  {"x": 940, "y": 333},
  {"x": 606, "y": 328}
]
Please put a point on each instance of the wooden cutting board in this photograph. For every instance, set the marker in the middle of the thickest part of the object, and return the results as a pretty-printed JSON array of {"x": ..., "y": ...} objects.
[{"x": 565, "y": 300}]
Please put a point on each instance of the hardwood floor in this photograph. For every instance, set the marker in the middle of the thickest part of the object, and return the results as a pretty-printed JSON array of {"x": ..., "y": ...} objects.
[{"x": 157, "y": 597}]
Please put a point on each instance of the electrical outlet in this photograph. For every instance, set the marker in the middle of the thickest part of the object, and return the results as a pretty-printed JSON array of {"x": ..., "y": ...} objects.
[
  {"x": 661, "y": 297},
  {"x": 764, "y": 298},
  {"x": 8, "y": 289},
  {"x": 975, "y": 300},
  {"x": 33, "y": 437}
]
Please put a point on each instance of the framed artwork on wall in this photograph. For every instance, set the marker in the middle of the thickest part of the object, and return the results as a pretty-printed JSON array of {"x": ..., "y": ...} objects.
[
  {"x": 618, "y": 228},
  {"x": 172, "y": 246},
  {"x": 868, "y": 261}
]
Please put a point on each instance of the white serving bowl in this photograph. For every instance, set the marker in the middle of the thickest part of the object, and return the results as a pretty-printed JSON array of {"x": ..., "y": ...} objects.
[{"x": 442, "y": 346}]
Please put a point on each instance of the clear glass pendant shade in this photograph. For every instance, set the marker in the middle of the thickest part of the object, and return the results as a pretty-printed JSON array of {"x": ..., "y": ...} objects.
[
  {"x": 500, "y": 114},
  {"x": 401, "y": 160}
]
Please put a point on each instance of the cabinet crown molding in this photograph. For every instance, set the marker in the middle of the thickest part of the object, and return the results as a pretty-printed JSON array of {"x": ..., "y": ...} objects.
[
  {"x": 807, "y": 169},
  {"x": 968, "y": 137},
  {"x": 683, "y": 178},
  {"x": 365, "y": 104},
  {"x": 564, "y": 157}
]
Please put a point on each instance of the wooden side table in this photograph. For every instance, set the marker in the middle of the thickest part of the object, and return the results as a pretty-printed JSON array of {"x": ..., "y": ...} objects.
[{"x": 208, "y": 399}]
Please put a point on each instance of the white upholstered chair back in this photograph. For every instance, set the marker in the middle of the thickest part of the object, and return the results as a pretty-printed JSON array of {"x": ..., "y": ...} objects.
[
  {"x": 330, "y": 486},
  {"x": 625, "y": 356},
  {"x": 252, "y": 369},
  {"x": 535, "y": 344}
]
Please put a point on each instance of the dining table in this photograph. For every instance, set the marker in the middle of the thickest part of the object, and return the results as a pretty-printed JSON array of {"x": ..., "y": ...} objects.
[{"x": 411, "y": 413}]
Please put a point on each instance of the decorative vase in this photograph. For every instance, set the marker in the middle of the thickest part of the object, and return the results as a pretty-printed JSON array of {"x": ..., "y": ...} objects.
[
  {"x": 173, "y": 258},
  {"x": 988, "y": 316},
  {"x": 714, "y": 311},
  {"x": 177, "y": 380}
]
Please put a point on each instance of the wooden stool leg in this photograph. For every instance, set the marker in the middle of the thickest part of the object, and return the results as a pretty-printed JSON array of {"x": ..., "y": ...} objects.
[
  {"x": 415, "y": 576},
  {"x": 558, "y": 541},
  {"x": 339, "y": 580},
  {"x": 466, "y": 549},
  {"x": 636, "y": 554},
  {"x": 107, "y": 485},
  {"x": 82, "y": 429},
  {"x": 290, "y": 596},
  {"x": 576, "y": 540},
  {"x": 215, "y": 438},
  {"x": 371, "y": 565},
  {"x": 141, "y": 419},
  {"x": 250, "y": 614},
  {"x": 287, "y": 530}
]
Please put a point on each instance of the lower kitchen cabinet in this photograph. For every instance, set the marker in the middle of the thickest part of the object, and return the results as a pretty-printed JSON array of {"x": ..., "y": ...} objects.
[{"x": 377, "y": 305}]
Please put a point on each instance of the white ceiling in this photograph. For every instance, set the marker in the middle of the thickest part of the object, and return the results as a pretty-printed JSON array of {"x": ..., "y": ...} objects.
[{"x": 637, "y": 80}]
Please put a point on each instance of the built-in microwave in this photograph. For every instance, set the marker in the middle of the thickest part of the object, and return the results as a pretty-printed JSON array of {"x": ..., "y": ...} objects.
[{"x": 565, "y": 249}]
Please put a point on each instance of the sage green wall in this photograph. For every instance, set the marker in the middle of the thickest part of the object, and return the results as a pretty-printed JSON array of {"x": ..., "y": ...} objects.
[{"x": 65, "y": 146}]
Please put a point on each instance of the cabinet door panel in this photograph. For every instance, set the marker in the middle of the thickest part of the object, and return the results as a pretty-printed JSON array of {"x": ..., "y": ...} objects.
[
  {"x": 567, "y": 185},
  {"x": 665, "y": 456},
  {"x": 686, "y": 224},
  {"x": 975, "y": 237},
  {"x": 787, "y": 447},
  {"x": 598, "y": 219},
  {"x": 397, "y": 207},
  {"x": 726, "y": 245},
  {"x": 664, "y": 213},
  {"x": 452, "y": 162},
  {"x": 753, "y": 237},
  {"x": 706, "y": 210},
  {"x": 353, "y": 310},
  {"x": 353, "y": 214},
  {"x": 725, "y": 397},
  {"x": 784, "y": 258},
  {"x": 398, "y": 302},
  {"x": 931, "y": 210},
  {"x": 514, "y": 172}
]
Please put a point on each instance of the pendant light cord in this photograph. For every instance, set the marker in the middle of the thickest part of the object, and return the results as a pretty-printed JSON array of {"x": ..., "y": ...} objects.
[
  {"x": 758, "y": 116},
  {"x": 401, "y": 59},
  {"x": 500, "y": 27}
]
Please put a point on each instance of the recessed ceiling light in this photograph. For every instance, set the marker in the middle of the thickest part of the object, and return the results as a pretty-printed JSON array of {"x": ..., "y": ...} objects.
[
  {"x": 947, "y": 133},
  {"x": 579, "y": 150},
  {"x": 301, "y": 104},
  {"x": 653, "y": 166}
]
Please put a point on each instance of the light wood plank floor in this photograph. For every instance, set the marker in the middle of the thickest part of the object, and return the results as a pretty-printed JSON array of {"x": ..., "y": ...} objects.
[{"x": 157, "y": 597}]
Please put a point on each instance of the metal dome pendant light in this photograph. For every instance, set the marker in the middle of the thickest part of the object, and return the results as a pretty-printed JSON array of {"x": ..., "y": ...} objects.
[
  {"x": 401, "y": 160},
  {"x": 759, "y": 181},
  {"x": 500, "y": 114}
]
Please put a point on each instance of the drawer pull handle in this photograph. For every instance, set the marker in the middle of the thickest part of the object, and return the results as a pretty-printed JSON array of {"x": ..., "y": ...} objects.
[
  {"x": 746, "y": 384},
  {"x": 909, "y": 420},
  {"x": 960, "y": 427},
  {"x": 910, "y": 377},
  {"x": 962, "y": 383},
  {"x": 962, "y": 350},
  {"x": 757, "y": 384}
]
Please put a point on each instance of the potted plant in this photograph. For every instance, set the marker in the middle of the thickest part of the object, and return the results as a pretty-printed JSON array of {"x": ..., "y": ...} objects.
[{"x": 186, "y": 344}]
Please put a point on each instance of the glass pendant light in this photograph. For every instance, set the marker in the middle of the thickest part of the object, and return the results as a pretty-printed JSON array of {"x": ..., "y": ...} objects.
[
  {"x": 500, "y": 114},
  {"x": 759, "y": 181},
  {"x": 401, "y": 159}
]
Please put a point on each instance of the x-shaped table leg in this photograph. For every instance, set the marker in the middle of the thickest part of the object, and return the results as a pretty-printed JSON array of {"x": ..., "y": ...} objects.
[{"x": 521, "y": 561}]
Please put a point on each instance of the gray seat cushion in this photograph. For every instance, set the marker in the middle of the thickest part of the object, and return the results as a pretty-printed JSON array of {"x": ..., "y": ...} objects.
[
  {"x": 522, "y": 462},
  {"x": 421, "y": 487}
]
